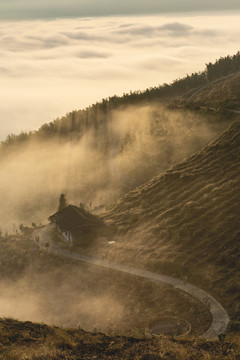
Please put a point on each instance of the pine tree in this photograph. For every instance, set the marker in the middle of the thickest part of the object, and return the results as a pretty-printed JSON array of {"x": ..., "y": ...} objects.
[{"x": 62, "y": 202}]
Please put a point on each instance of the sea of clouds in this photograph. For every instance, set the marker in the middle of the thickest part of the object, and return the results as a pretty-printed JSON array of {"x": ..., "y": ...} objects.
[{"x": 50, "y": 67}]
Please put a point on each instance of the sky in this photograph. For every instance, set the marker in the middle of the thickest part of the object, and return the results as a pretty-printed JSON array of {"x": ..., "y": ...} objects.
[
  {"x": 16, "y": 9},
  {"x": 59, "y": 56}
]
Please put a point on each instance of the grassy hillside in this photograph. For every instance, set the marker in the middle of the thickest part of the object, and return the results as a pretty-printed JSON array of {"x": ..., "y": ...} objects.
[
  {"x": 108, "y": 161},
  {"x": 185, "y": 222},
  {"x": 75, "y": 123},
  {"x": 97, "y": 154},
  {"x": 26, "y": 340},
  {"x": 223, "y": 93}
]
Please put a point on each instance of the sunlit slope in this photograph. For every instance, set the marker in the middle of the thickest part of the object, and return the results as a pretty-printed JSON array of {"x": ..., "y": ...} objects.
[
  {"x": 193, "y": 189},
  {"x": 221, "y": 93},
  {"x": 186, "y": 221},
  {"x": 108, "y": 161}
]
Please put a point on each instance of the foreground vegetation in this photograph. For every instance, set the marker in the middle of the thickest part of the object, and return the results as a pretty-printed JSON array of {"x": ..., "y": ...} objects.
[{"x": 29, "y": 341}]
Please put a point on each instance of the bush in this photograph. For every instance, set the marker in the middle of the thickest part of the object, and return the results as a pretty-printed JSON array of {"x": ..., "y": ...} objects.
[{"x": 234, "y": 326}]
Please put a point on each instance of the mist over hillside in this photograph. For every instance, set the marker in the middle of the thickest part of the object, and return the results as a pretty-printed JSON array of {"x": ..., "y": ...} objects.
[
  {"x": 165, "y": 177},
  {"x": 75, "y": 123},
  {"x": 186, "y": 221},
  {"x": 110, "y": 158},
  {"x": 97, "y": 154}
]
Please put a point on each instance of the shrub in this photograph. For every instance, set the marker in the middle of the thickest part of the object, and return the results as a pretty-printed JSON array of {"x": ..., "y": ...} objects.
[{"x": 234, "y": 326}]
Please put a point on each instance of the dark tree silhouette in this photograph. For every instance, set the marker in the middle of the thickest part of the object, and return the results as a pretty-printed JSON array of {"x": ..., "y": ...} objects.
[
  {"x": 76, "y": 123},
  {"x": 62, "y": 202}
]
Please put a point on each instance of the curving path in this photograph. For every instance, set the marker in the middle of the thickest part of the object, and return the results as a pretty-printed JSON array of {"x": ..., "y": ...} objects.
[
  {"x": 211, "y": 83},
  {"x": 216, "y": 110},
  {"x": 220, "y": 317}
]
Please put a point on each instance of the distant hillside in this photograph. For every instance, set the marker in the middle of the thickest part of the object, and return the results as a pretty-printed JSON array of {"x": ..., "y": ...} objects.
[
  {"x": 186, "y": 221},
  {"x": 109, "y": 160},
  {"x": 223, "y": 93},
  {"x": 183, "y": 222},
  {"x": 97, "y": 154},
  {"x": 75, "y": 123}
]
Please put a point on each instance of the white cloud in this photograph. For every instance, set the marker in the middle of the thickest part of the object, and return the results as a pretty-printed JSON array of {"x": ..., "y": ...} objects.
[
  {"x": 49, "y": 68},
  {"x": 169, "y": 29},
  {"x": 92, "y": 54},
  {"x": 81, "y": 35}
]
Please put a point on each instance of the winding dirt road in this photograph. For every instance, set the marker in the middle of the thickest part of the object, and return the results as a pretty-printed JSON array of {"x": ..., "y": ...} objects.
[
  {"x": 211, "y": 83},
  {"x": 220, "y": 317}
]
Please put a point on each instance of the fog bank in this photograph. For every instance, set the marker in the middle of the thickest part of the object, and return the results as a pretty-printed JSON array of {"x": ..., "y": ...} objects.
[
  {"x": 111, "y": 158},
  {"x": 49, "y": 68}
]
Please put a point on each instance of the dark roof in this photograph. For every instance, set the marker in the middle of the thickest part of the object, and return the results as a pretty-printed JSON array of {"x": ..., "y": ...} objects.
[{"x": 73, "y": 217}]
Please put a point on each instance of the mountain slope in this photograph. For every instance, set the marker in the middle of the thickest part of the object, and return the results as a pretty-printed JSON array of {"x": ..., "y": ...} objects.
[
  {"x": 107, "y": 162},
  {"x": 75, "y": 123},
  {"x": 186, "y": 221},
  {"x": 221, "y": 93},
  {"x": 97, "y": 154}
]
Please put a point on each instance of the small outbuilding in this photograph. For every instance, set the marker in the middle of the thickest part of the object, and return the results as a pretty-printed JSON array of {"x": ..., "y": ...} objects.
[{"x": 76, "y": 225}]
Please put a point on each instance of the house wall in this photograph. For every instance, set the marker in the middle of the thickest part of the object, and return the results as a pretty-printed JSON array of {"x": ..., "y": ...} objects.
[
  {"x": 67, "y": 235},
  {"x": 70, "y": 237}
]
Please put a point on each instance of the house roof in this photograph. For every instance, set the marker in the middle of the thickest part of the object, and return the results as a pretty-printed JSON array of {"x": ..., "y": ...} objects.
[{"x": 73, "y": 217}]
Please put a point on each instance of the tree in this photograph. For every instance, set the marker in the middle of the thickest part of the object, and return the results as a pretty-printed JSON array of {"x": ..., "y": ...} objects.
[{"x": 62, "y": 202}]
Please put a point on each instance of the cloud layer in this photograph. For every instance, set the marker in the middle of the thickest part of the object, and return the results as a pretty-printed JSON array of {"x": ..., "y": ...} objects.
[{"x": 50, "y": 67}]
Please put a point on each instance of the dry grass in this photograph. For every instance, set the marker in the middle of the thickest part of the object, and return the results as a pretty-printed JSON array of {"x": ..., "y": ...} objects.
[
  {"x": 185, "y": 222},
  {"x": 224, "y": 93},
  {"x": 29, "y": 341}
]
